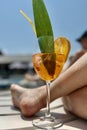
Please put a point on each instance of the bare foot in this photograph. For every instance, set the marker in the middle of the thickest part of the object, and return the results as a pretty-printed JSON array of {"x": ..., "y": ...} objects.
[{"x": 29, "y": 101}]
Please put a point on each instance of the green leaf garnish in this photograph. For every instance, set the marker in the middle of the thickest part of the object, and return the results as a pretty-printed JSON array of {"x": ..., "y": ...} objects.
[
  {"x": 43, "y": 27},
  {"x": 46, "y": 44},
  {"x": 41, "y": 18}
]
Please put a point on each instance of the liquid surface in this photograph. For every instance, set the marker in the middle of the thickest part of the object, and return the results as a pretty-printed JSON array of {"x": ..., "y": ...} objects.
[{"x": 48, "y": 65}]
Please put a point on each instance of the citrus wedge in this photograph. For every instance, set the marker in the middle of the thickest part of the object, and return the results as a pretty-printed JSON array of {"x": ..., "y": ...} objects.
[{"x": 62, "y": 46}]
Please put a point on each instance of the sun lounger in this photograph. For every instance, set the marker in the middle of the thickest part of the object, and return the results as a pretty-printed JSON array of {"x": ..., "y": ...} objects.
[{"x": 12, "y": 119}]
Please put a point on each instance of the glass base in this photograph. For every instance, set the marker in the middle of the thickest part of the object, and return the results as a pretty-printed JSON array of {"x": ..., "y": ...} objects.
[{"x": 47, "y": 123}]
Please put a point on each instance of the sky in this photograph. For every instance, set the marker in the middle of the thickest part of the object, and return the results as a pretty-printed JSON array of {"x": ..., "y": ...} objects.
[{"x": 68, "y": 18}]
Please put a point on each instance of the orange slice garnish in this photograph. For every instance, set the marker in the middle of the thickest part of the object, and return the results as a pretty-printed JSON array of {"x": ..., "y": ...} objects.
[{"x": 62, "y": 46}]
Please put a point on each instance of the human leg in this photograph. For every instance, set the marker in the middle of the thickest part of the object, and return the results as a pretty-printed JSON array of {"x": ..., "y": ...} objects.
[
  {"x": 76, "y": 102},
  {"x": 68, "y": 82},
  {"x": 29, "y": 101}
]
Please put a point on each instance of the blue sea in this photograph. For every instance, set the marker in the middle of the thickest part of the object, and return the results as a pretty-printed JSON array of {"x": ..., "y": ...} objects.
[{"x": 6, "y": 82}]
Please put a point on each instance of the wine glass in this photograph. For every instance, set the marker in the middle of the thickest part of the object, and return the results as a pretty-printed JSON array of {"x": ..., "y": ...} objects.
[{"x": 48, "y": 66}]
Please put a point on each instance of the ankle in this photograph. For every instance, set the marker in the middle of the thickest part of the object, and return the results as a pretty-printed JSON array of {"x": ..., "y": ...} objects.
[{"x": 42, "y": 91}]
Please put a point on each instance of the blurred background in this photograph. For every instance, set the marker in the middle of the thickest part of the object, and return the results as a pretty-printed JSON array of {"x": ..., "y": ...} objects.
[{"x": 18, "y": 41}]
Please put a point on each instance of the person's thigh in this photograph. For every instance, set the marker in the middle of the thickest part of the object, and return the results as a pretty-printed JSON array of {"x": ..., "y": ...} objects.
[{"x": 76, "y": 102}]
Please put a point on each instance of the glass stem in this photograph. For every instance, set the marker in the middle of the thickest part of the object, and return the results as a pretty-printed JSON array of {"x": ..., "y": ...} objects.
[{"x": 48, "y": 114}]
